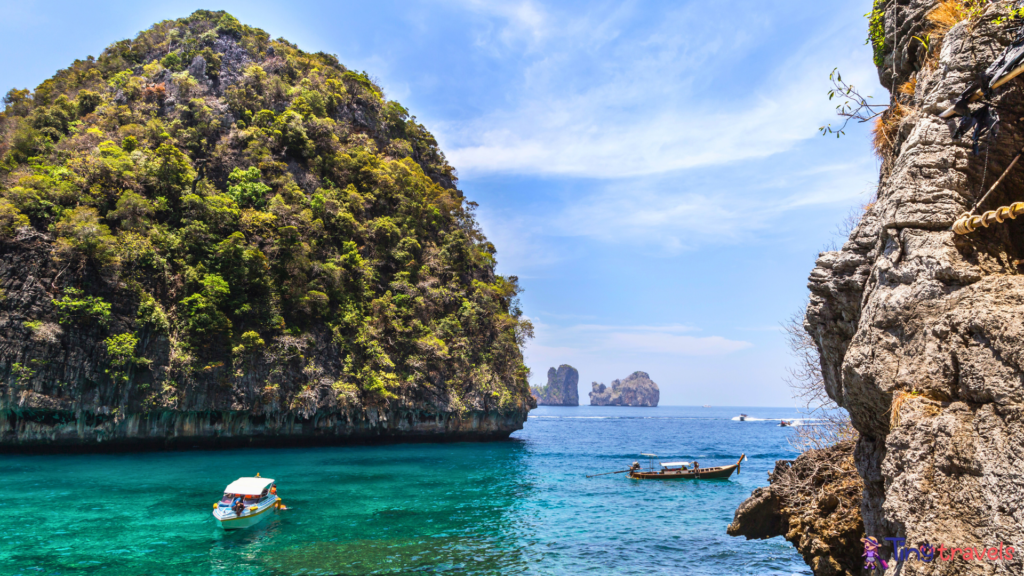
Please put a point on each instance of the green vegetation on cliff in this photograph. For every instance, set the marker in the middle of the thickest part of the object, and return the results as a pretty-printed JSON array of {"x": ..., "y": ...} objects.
[{"x": 238, "y": 192}]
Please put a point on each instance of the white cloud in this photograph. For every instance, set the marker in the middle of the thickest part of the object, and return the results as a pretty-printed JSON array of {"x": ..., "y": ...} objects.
[
  {"x": 597, "y": 338},
  {"x": 679, "y": 129},
  {"x": 525, "y": 20},
  {"x": 670, "y": 353},
  {"x": 661, "y": 343},
  {"x": 683, "y": 215},
  {"x": 640, "y": 107},
  {"x": 674, "y": 213}
]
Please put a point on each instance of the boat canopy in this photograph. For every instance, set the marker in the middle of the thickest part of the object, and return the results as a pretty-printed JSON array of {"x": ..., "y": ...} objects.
[
  {"x": 249, "y": 486},
  {"x": 674, "y": 464}
]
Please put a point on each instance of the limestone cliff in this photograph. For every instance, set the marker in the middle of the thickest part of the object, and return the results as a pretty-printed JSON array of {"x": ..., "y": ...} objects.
[
  {"x": 562, "y": 388},
  {"x": 212, "y": 238},
  {"x": 919, "y": 329},
  {"x": 637, "y": 389}
]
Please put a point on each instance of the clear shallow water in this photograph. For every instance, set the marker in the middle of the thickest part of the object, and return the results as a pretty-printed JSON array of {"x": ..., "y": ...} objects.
[{"x": 518, "y": 507}]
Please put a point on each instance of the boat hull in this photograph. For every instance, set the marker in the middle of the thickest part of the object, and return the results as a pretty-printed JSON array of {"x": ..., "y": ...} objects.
[
  {"x": 715, "y": 473},
  {"x": 229, "y": 521}
]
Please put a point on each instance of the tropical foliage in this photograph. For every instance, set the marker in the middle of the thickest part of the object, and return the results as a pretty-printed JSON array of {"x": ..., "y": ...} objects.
[{"x": 241, "y": 191}]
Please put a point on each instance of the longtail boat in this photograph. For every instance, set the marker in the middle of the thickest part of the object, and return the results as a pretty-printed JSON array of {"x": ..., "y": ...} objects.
[{"x": 682, "y": 471}]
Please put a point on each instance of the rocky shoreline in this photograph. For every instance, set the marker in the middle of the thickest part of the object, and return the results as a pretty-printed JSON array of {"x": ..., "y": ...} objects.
[
  {"x": 216, "y": 430},
  {"x": 814, "y": 502}
]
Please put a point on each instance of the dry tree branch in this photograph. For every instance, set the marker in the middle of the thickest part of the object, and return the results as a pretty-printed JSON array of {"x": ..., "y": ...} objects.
[
  {"x": 831, "y": 424},
  {"x": 855, "y": 107}
]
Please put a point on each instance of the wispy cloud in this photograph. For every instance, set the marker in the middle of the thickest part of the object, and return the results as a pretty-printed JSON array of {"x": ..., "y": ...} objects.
[
  {"x": 672, "y": 136},
  {"x": 662, "y": 343},
  {"x": 605, "y": 352},
  {"x": 672, "y": 213},
  {"x": 523, "y": 21},
  {"x": 639, "y": 106},
  {"x": 775, "y": 328},
  {"x": 667, "y": 339}
]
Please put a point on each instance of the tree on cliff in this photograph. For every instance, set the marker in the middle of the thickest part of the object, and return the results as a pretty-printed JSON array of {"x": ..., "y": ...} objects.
[
  {"x": 831, "y": 423},
  {"x": 220, "y": 188}
]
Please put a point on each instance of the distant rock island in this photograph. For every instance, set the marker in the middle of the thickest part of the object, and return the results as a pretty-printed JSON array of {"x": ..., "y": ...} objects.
[
  {"x": 561, "y": 389},
  {"x": 636, "y": 390}
]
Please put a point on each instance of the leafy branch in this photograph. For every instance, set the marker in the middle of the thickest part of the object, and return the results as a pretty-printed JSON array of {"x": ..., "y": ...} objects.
[
  {"x": 1015, "y": 14},
  {"x": 855, "y": 106}
]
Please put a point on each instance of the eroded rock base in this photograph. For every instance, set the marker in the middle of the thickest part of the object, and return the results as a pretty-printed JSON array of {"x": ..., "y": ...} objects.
[
  {"x": 60, "y": 432},
  {"x": 814, "y": 501}
]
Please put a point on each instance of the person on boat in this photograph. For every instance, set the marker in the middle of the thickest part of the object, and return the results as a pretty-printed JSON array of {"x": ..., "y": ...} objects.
[
  {"x": 273, "y": 490},
  {"x": 237, "y": 506},
  {"x": 696, "y": 465}
]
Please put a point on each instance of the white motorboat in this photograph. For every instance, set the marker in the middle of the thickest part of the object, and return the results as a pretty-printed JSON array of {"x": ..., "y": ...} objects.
[{"x": 247, "y": 502}]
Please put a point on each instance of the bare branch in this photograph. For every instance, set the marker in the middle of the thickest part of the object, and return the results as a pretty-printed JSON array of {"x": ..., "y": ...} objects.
[
  {"x": 855, "y": 106},
  {"x": 828, "y": 424}
]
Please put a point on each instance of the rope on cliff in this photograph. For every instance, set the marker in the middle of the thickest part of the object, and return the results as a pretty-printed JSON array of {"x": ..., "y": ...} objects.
[{"x": 968, "y": 222}]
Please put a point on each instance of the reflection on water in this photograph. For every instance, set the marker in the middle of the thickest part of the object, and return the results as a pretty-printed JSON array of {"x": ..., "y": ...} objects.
[{"x": 518, "y": 507}]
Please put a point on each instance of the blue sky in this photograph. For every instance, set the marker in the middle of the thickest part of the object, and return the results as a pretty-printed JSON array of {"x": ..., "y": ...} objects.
[{"x": 650, "y": 170}]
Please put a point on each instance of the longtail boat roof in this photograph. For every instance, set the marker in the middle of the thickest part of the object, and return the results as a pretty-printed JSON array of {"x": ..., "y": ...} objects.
[
  {"x": 673, "y": 464},
  {"x": 249, "y": 486}
]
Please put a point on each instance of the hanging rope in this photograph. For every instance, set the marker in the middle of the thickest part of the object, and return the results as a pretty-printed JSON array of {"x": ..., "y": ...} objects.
[{"x": 968, "y": 222}]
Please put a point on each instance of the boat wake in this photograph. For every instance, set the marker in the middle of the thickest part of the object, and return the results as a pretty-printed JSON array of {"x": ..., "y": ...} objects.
[
  {"x": 545, "y": 417},
  {"x": 792, "y": 421}
]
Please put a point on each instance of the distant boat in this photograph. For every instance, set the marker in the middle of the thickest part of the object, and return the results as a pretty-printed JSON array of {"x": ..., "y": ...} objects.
[
  {"x": 247, "y": 502},
  {"x": 707, "y": 405},
  {"x": 682, "y": 471},
  {"x": 743, "y": 417},
  {"x": 785, "y": 423}
]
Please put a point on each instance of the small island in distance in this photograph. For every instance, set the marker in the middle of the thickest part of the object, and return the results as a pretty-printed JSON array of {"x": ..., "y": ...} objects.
[
  {"x": 637, "y": 389},
  {"x": 561, "y": 389}
]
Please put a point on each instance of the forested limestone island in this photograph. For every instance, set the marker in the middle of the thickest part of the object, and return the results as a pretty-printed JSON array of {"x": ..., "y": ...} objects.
[
  {"x": 212, "y": 238},
  {"x": 637, "y": 389},
  {"x": 562, "y": 388}
]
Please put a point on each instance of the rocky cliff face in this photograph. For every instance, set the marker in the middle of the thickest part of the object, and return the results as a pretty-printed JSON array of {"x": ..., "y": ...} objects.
[
  {"x": 814, "y": 502},
  {"x": 637, "y": 389},
  {"x": 562, "y": 388},
  {"x": 212, "y": 238},
  {"x": 920, "y": 329}
]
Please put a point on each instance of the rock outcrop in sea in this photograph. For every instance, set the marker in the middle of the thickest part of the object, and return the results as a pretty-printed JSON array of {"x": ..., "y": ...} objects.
[
  {"x": 814, "y": 502},
  {"x": 919, "y": 329},
  {"x": 562, "y": 388},
  {"x": 637, "y": 389},
  {"x": 212, "y": 238}
]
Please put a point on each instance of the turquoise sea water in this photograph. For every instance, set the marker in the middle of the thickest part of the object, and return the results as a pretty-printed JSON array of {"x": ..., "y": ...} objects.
[{"x": 517, "y": 507}]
